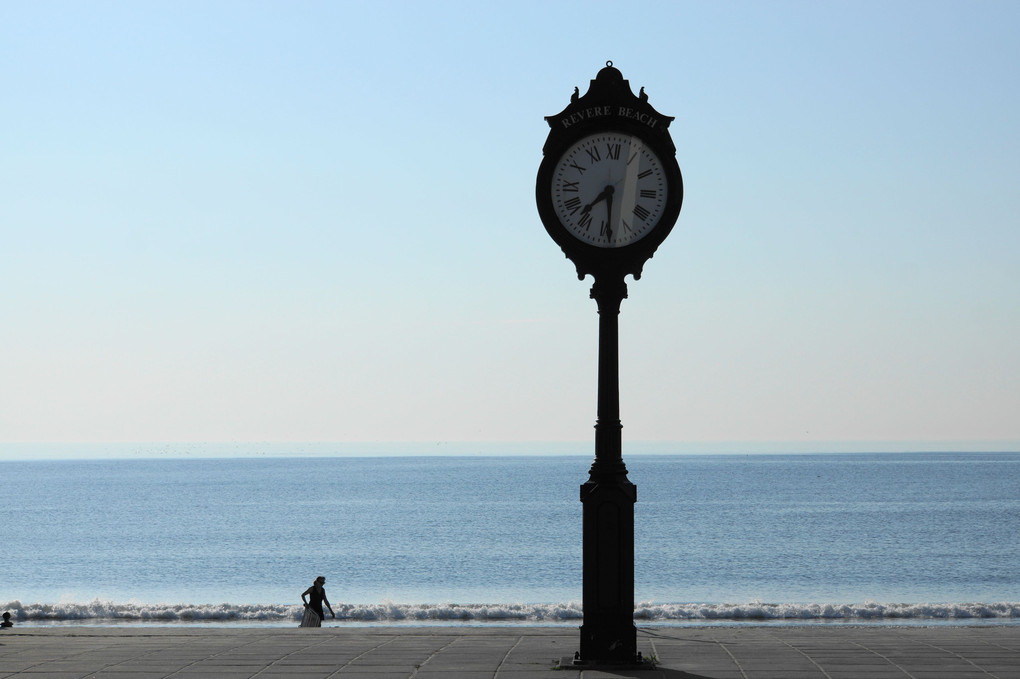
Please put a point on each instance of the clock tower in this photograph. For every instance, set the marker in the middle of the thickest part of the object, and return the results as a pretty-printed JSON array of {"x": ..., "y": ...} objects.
[{"x": 608, "y": 191}]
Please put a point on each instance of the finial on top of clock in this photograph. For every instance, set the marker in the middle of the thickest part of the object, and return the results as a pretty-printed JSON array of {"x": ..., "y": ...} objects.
[{"x": 609, "y": 73}]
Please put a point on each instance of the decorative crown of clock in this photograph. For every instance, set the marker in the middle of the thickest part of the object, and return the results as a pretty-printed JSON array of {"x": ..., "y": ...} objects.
[{"x": 609, "y": 188}]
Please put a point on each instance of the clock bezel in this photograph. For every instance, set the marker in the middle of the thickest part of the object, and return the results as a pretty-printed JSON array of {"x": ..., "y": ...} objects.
[
  {"x": 594, "y": 259},
  {"x": 569, "y": 158}
]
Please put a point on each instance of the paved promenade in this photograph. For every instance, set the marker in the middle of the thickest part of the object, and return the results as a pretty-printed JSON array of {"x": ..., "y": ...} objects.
[{"x": 507, "y": 653}]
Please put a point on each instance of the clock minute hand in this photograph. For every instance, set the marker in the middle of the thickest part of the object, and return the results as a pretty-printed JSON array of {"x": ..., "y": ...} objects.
[{"x": 609, "y": 212}]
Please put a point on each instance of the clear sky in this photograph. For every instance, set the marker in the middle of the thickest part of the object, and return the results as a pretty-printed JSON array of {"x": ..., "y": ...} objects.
[{"x": 315, "y": 221}]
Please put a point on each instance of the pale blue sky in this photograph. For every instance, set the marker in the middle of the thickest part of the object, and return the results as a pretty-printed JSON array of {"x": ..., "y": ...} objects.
[{"x": 315, "y": 221}]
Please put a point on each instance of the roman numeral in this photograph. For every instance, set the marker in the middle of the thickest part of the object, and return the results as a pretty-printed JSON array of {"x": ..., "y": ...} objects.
[
  {"x": 569, "y": 186},
  {"x": 648, "y": 193},
  {"x": 593, "y": 153},
  {"x": 573, "y": 204},
  {"x": 613, "y": 151},
  {"x": 641, "y": 213},
  {"x": 642, "y": 175},
  {"x": 585, "y": 220},
  {"x": 578, "y": 168},
  {"x": 605, "y": 231},
  {"x": 626, "y": 226}
]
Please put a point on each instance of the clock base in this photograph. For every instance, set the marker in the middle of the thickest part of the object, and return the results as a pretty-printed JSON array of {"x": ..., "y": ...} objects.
[{"x": 572, "y": 662}]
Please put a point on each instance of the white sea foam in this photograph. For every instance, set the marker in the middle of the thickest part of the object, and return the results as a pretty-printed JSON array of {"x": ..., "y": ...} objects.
[
  {"x": 826, "y": 611},
  {"x": 108, "y": 612}
]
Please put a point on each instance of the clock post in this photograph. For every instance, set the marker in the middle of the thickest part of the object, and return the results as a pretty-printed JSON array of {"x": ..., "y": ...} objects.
[
  {"x": 608, "y": 634},
  {"x": 608, "y": 191}
]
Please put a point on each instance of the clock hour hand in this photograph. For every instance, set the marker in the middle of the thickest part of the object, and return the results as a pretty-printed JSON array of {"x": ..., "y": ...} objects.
[{"x": 607, "y": 195}]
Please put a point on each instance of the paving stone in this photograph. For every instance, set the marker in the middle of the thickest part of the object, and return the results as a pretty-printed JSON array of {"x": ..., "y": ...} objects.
[{"x": 507, "y": 653}]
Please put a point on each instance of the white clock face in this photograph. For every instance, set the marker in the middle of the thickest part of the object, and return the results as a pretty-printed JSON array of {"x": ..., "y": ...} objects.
[{"x": 609, "y": 189}]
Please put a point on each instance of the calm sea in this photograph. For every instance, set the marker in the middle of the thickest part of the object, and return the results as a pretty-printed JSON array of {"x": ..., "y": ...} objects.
[{"x": 469, "y": 540}]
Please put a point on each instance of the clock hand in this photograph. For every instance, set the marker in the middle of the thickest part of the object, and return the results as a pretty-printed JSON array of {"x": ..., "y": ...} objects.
[
  {"x": 607, "y": 194},
  {"x": 609, "y": 212}
]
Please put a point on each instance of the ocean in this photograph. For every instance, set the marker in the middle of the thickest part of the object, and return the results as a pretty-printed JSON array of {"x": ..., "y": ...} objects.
[{"x": 720, "y": 539}]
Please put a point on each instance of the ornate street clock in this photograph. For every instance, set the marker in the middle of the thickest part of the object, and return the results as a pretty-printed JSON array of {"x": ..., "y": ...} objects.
[
  {"x": 609, "y": 188},
  {"x": 608, "y": 191}
]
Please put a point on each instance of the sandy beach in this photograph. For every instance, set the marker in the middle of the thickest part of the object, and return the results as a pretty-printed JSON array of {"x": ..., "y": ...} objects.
[{"x": 865, "y": 652}]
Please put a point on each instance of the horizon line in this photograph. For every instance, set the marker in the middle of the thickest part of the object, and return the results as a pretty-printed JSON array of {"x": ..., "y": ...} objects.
[{"x": 70, "y": 450}]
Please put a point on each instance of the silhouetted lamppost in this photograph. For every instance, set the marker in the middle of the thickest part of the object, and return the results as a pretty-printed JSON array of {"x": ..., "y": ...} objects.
[{"x": 609, "y": 191}]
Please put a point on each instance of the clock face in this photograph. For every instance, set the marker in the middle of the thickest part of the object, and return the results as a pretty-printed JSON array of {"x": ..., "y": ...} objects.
[{"x": 609, "y": 189}]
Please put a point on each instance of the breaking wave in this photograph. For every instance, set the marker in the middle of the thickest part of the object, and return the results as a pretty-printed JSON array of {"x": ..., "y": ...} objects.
[{"x": 107, "y": 612}]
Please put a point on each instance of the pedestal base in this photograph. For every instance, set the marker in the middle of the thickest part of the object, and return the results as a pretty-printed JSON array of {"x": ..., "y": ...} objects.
[
  {"x": 639, "y": 664},
  {"x": 608, "y": 635}
]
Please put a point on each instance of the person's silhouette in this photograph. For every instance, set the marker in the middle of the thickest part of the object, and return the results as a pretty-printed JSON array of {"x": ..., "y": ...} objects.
[
  {"x": 7, "y": 620},
  {"x": 317, "y": 596}
]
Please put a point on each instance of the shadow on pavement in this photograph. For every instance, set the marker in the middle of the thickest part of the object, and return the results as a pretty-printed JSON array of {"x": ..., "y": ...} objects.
[{"x": 656, "y": 673}]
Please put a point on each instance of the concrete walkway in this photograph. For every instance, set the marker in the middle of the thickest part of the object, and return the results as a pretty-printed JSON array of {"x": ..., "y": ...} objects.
[{"x": 867, "y": 652}]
